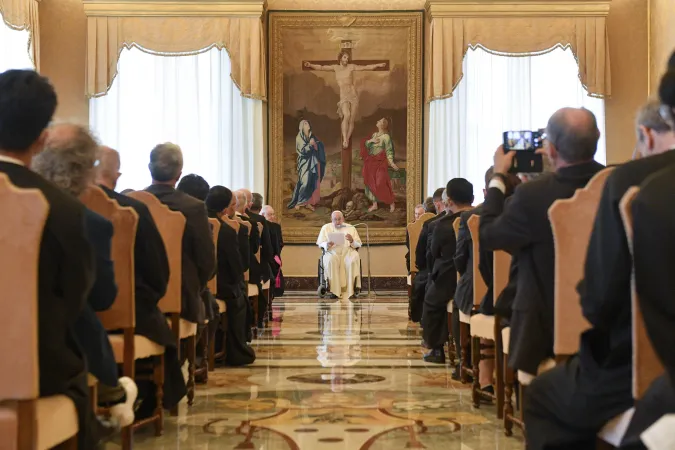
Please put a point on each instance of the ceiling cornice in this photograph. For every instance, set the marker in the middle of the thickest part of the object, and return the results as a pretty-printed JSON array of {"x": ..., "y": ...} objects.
[
  {"x": 162, "y": 8},
  {"x": 518, "y": 8}
]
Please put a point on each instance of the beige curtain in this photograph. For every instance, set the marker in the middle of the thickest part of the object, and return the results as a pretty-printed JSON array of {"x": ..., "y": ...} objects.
[
  {"x": 451, "y": 38},
  {"x": 23, "y": 15},
  {"x": 242, "y": 37}
]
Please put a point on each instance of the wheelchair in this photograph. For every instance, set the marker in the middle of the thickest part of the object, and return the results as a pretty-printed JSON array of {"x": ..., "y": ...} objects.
[{"x": 324, "y": 285}]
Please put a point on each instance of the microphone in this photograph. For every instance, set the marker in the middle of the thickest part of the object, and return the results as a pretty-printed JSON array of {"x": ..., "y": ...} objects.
[{"x": 370, "y": 277}]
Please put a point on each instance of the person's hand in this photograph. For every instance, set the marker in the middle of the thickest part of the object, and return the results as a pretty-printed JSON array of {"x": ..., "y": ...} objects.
[
  {"x": 307, "y": 64},
  {"x": 349, "y": 238},
  {"x": 394, "y": 166},
  {"x": 503, "y": 161},
  {"x": 331, "y": 244}
]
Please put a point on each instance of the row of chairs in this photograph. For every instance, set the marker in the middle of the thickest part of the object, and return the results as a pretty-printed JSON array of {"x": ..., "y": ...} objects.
[
  {"x": 28, "y": 421},
  {"x": 571, "y": 222}
]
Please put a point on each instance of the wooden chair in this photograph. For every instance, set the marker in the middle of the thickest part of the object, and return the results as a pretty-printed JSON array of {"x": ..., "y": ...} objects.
[
  {"x": 127, "y": 347},
  {"x": 27, "y": 421},
  {"x": 481, "y": 326},
  {"x": 572, "y": 222},
  {"x": 647, "y": 366},
  {"x": 171, "y": 226},
  {"x": 414, "y": 230}
]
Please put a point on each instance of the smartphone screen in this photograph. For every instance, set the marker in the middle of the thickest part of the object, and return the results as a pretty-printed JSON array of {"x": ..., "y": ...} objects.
[{"x": 522, "y": 140}]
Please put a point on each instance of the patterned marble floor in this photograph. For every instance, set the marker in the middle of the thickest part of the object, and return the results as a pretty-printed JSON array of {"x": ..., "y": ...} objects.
[{"x": 336, "y": 375}]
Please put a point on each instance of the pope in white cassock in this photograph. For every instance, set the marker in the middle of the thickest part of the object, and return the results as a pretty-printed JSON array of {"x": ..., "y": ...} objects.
[{"x": 341, "y": 263}]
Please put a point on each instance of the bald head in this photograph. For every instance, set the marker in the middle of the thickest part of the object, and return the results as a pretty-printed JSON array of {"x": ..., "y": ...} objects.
[
  {"x": 242, "y": 203},
  {"x": 108, "y": 168},
  {"x": 572, "y": 135}
]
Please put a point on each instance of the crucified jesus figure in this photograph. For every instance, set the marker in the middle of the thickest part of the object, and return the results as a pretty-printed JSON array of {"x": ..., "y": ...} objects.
[{"x": 349, "y": 100}]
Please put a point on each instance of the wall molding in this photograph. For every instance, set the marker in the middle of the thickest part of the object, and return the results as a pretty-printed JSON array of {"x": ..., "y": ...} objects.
[
  {"x": 517, "y": 8},
  {"x": 164, "y": 8}
]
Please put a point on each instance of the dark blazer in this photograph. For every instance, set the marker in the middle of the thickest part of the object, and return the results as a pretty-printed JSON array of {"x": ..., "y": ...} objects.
[
  {"x": 254, "y": 242},
  {"x": 606, "y": 290},
  {"x": 230, "y": 265},
  {"x": 421, "y": 248},
  {"x": 277, "y": 244},
  {"x": 407, "y": 253},
  {"x": 244, "y": 248},
  {"x": 654, "y": 256},
  {"x": 199, "y": 263},
  {"x": 151, "y": 268},
  {"x": 444, "y": 245},
  {"x": 65, "y": 277},
  {"x": 266, "y": 257},
  {"x": 464, "y": 263},
  {"x": 524, "y": 228},
  {"x": 89, "y": 330}
]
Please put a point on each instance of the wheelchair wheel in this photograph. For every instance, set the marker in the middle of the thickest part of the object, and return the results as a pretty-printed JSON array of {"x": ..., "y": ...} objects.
[{"x": 321, "y": 291}]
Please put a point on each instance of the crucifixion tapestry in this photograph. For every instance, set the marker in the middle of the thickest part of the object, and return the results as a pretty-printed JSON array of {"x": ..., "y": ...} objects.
[{"x": 345, "y": 120}]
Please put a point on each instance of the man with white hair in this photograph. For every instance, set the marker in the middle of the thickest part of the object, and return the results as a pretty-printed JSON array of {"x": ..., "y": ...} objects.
[
  {"x": 277, "y": 239},
  {"x": 341, "y": 262}
]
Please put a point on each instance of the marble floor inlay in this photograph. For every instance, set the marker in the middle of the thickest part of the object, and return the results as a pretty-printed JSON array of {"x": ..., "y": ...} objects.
[{"x": 333, "y": 376}]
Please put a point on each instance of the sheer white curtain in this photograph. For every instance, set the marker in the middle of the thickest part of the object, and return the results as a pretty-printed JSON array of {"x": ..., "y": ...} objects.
[
  {"x": 190, "y": 101},
  {"x": 497, "y": 94},
  {"x": 14, "y": 51}
]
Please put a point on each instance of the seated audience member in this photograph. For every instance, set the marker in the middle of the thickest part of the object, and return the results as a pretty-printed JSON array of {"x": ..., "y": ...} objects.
[
  {"x": 277, "y": 246},
  {"x": 66, "y": 267},
  {"x": 230, "y": 279},
  {"x": 341, "y": 263},
  {"x": 523, "y": 227},
  {"x": 151, "y": 270},
  {"x": 256, "y": 211},
  {"x": 569, "y": 404},
  {"x": 420, "y": 282},
  {"x": 68, "y": 161},
  {"x": 198, "y": 260},
  {"x": 253, "y": 238},
  {"x": 429, "y": 206},
  {"x": 654, "y": 261},
  {"x": 419, "y": 210},
  {"x": 443, "y": 277},
  {"x": 197, "y": 187}
]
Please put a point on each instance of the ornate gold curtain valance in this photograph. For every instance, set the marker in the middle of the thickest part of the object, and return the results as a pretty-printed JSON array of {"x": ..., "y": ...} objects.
[
  {"x": 23, "y": 15},
  {"x": 520, "y": 27},
  {"x": 176, "y": 28}
]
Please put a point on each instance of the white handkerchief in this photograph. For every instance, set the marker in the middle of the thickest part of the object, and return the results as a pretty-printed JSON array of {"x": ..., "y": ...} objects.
[{"x": 337, "y": 238}]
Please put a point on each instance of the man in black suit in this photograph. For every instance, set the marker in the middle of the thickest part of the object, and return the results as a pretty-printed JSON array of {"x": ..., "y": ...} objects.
[
  {"x": 253, "y": 237},
  {"x": 260, "y": 270},
  {"x": 523, "y": 227},
  {"x": 422, "y": 277},
  {"x": 151, "y": 268},
  {"x": 66, "y": 266},
  {"x": 419, "y": 210},
  {"x": 570, "y": 403},
  {"x": 443, "y": 277},
  {"x": 220, "y": 203},
  {"x": 198, "y": 261},
  {"x": 277, "y": 238}
]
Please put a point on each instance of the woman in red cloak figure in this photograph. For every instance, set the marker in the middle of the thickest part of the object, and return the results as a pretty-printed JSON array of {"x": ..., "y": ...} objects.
[{"x": 378, "y": 156}]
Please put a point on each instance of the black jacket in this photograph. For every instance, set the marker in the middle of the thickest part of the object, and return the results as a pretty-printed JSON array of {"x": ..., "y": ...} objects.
[
  {"x": 523, "y": 227},
  {"x": 262, "y": 269},
  {"x": 421, "y": 248},
  {"x": 606, "y": 291},
  {"x": 89, "y": 330},
  {"x": 230, "y": 266},
  {"x": 65, "y": 277},
  {"x": 464, "y": 263},
  {"x": 151, "y": 268},
  {"x": 198, "y": 256},
  {"x": 443, "y": 277}
]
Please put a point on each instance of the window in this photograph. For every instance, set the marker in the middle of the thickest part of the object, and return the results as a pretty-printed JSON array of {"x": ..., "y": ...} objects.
[
  {"x": 14, "y": 48},
  {"x": 497, "y": 94},
  {"x": 190, "y": 101}
]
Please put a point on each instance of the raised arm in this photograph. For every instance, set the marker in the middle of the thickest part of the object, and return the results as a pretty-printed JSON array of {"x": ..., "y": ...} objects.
[
  {"x": 370, "y": 67},
  {"x": 319, "y": 67}
]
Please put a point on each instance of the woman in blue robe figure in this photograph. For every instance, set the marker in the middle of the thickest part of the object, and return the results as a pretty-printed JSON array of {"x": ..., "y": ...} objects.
[{"x": 311, "y": 168}]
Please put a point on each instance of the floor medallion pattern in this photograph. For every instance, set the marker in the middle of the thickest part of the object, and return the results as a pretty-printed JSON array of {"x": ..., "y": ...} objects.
[{"x": 333, "y": 376}]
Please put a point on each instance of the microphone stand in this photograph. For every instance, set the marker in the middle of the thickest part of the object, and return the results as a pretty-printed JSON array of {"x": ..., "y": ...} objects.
[{"x": 371, "y": 294}]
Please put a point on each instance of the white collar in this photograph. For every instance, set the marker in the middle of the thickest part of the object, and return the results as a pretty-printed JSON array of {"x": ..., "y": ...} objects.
[{"x": 9, "y": 159}]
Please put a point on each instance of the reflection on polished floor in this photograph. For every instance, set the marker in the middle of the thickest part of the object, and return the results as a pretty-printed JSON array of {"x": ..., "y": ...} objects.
[{"x": 336, "y": 375}]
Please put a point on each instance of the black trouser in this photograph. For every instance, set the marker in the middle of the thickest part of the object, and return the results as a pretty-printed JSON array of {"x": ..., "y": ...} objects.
[
  {"x": 456, "y": 332},
  {"x": 238, "y": 352},
  {"x": 567, "y": 406},
  {"x": 435, "y": 317},
  {"x": 174, "y": 384}
]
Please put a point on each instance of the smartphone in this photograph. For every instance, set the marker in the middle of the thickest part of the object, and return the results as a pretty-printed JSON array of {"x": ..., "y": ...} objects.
[{"x": 523, "y": 140}]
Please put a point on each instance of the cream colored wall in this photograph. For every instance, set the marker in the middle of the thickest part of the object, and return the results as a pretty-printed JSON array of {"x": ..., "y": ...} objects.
[
  {"x": 627, "y": 29},
  {"x": 63, "y": 33},
  {"x": 662, "y": 38}
]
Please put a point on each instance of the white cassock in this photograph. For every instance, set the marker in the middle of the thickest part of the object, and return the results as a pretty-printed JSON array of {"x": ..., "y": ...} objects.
[{"x": 341, "y": 264}]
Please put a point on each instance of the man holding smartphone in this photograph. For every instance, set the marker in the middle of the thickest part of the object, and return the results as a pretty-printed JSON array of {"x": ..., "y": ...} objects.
[{"x": 522, "y": 227}]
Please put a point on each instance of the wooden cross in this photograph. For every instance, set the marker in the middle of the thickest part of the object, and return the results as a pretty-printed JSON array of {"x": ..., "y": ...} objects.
[{"x": 346, "y": 47}]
